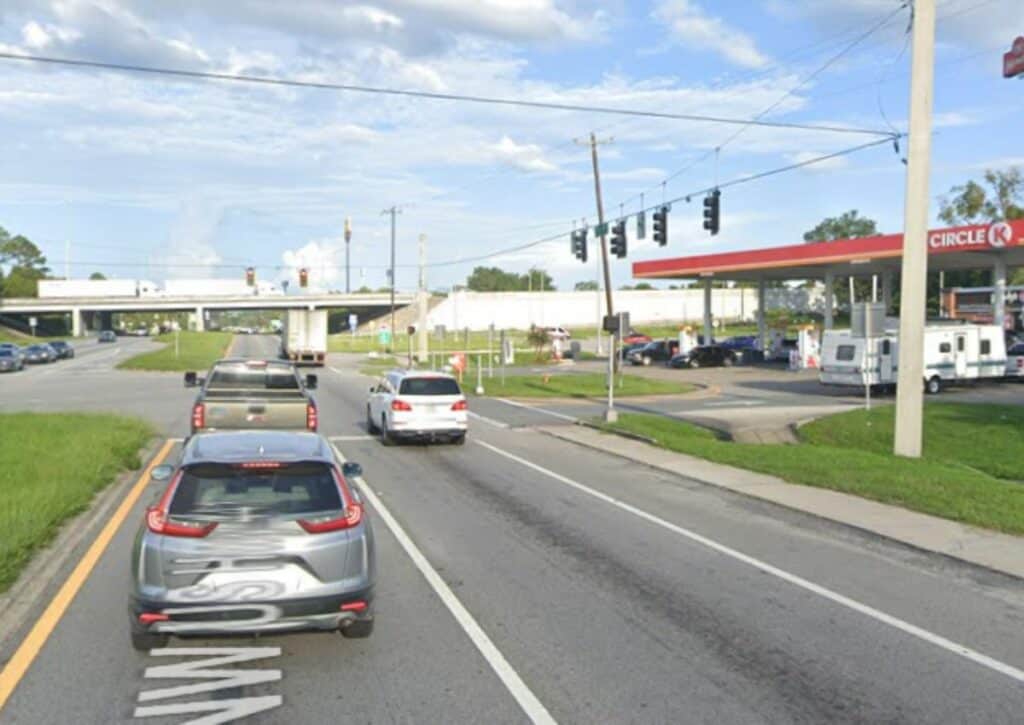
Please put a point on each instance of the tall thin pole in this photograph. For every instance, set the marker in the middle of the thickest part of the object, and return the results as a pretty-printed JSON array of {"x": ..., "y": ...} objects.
[
  {"x": 913, "y": 281},
  {"x": 348, "y": 239},
  {"x": 67, "y": 259},
  {"x": 393, "y": 211},
  {"x": 422, "y": 301}
]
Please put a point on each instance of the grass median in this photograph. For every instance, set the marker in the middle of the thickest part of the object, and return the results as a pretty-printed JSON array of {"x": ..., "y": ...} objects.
[
  {"x": 970, "y": 470},
  {"x": 53, "y": 465},
  {"x": 576, "y": 385},
  {"x": 195, "y": 351}
]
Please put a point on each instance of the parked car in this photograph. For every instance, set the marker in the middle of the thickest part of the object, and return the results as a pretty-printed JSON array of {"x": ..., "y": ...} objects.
[
  {"x": 659, "y": 351},
  {"x": 409, "y": 404},
  {"x": 558, "y": 333},
  {"x": 738, "y": 342},
  {"x": 107, "y": 336},
  {"x": 64, "y": 350},
  {"x": 255, "y": 531},
  {"x": 40, "y": 354},
  {"x": 14, "y": 350},
  {"x": 705, "y": 356},
  {"x": 633, "y": 338},
  {"x": 10, "y": 361},
  {"x": 242, "y": 394}
]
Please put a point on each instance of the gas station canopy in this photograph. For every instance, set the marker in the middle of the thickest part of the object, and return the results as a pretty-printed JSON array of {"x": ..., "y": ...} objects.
[{"x": 978, "y": 246}]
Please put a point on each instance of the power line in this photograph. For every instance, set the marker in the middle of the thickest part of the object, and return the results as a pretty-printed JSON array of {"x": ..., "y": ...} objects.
[{"x": 490, "y": 100}]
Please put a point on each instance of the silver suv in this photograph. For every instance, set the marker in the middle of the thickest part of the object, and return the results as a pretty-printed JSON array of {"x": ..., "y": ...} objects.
[{"x": 256, "y": 531}]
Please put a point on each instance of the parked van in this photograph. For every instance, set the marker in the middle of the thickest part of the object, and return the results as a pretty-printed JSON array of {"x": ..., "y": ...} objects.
[{"x": 953, "y": 352}]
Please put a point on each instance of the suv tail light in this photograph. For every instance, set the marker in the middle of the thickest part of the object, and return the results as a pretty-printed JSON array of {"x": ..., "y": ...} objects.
[
  {"x": 399, "y": 404},
  {"x": 351, "y": 516},
  {"x": 460, "y": 405},
  {"x": 198, "y": 416},
  {"x": 158, "y": 521},
  {"x": 312, "y": 417}
]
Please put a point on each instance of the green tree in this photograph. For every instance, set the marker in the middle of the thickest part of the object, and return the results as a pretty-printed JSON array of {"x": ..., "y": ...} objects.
[
  {"x": 538, "y": 337},
  {"x": 972, "y": 203},
  {"x": 850, "y": 225},
  {"x": 493, "y": 279},
  {"x": 845, "y": 226},
  {"x": 97, "y": 275},
  {"x": 26, "y": 263},
  {"x": 589, "y": 285}
]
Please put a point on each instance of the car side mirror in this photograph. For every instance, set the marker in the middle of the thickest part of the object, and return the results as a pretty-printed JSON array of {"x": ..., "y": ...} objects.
[
  {"x": 311, "y": 381},
  {"x": 190, "y": 379},
  {"x": 161, "y": 473},
  {"x": 350, "y": 469}
]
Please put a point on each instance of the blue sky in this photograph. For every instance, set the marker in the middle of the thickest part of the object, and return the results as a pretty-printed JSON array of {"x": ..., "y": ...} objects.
[{"x": 157, "y": 177}]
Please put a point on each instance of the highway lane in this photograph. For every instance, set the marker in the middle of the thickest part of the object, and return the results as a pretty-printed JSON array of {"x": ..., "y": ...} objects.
[{"x": 605, "y": 615}]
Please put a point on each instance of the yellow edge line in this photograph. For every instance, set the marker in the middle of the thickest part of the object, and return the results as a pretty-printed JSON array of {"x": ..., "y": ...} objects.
[{"x": 44, "y": 626}]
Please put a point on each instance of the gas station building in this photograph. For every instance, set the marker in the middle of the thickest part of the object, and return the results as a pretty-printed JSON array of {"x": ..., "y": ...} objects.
[{"x": 996, "y": 247}]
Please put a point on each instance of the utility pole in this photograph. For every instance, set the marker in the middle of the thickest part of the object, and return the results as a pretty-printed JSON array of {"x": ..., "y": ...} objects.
[
  {"x": 348, "y": 238},
  {"x": 610, "y": 415},
  {"x": 393, "y": 212},
  {"x": 422, "y": 301},
  {"x": 913, "y": 281}
]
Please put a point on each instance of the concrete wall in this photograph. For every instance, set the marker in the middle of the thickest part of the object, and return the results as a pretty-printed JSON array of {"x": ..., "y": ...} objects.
[{"x": 519, "y": 310}]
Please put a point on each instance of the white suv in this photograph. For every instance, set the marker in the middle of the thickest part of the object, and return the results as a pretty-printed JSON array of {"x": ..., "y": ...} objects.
[{"x": 407, "y": 404}]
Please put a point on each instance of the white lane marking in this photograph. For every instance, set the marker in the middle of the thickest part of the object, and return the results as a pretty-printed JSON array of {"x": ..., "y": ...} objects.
[
  {"x": 485, "y": 419},
  {"x": 880, "y": 616},
  {"x": 223, "y": 710},
  {"x": 552, "y": 413},
  {"x": 532, "y": 706},
  {"x": 353, "y": 438}
]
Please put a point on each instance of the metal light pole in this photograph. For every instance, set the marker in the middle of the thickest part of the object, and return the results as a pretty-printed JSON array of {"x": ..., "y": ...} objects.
[
  {"x": 913, "y": 281},
  {"x": 393, "y": 211},
  {"x": 348, "y": 238}
]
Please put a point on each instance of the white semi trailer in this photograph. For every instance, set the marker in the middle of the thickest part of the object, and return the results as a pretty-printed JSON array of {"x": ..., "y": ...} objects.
[{"x": 304, "y": 336}]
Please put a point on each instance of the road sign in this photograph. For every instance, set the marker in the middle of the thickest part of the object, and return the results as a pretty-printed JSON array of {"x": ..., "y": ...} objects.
[
  {"x": 32, "y": 322},
  {"x": 384, "y": 336},
  {"x": 353, "y": 321},
  {"x": 601, "y": 229},
  {"x": 1013, "y": 62}
]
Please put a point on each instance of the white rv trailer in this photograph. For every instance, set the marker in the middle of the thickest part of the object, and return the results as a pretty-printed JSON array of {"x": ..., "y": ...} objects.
[{"x": 953, "y": 352}]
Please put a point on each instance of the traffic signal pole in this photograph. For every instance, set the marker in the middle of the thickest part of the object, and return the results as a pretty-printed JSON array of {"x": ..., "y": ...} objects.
[
  {"x": 610, "y": 414},
  {"x": 914, "y": 275}
]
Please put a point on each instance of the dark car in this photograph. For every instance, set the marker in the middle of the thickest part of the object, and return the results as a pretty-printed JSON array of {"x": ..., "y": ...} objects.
[
  {"x": 37, "y": 354},
  {"x": 255, "y": 532},
  {"x": 739, "y": 342},
  {"x": 10, "y": 361},
  {"x": 13, "y": 349},
  {"x": 660, "y": 351},
  {"x": 64, "y": 350},
  {"x": 705, "y": 356},
  {"x": 107, "y": 336}
]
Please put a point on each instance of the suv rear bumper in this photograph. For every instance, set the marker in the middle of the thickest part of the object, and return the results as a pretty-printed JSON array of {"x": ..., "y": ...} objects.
[{"x": 212, "y": 618}]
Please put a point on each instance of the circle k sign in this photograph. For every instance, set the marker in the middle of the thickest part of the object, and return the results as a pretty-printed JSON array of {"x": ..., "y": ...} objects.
[{"x": 1000, "y": 235}]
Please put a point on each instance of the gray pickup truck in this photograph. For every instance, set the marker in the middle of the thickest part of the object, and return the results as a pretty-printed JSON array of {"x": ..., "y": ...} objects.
[{"x": 243, "y": 394}]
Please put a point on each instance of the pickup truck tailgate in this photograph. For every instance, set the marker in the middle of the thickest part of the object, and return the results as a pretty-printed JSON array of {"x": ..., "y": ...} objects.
[{"x": 233, "y": 413}]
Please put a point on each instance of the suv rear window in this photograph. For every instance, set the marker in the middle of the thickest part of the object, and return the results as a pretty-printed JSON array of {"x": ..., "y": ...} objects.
[
  {"x": 225, "y": 491},
  {"x": 429, "y": 386},
  {"x": 243, "y": 377},
  {"x": 845, "y": 353}
]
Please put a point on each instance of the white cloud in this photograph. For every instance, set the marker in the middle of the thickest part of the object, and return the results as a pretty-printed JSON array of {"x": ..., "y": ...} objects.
[
  {"x": 322, "y": 259},
  {"x": 189, "y": 251},
  {"x": 692, "y": 27},
  {"x": 527, "y": 157}
]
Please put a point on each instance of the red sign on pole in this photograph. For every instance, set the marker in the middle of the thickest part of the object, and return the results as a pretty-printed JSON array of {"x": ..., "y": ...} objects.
[{"x": 1013, "y": 62}]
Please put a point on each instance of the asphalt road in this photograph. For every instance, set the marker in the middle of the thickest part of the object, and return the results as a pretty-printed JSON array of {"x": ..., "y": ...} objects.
[{"x": 603, "y": 591}]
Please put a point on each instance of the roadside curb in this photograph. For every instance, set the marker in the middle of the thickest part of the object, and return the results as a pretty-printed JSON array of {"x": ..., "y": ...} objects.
[
  {"x": 955, "y": 551},
  {"x": 17, "y": 604},
  {"x": 698, "y": 394}
]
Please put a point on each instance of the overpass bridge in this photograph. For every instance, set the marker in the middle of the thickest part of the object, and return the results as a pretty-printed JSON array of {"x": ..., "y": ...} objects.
[{"x": 78, "y": 307}]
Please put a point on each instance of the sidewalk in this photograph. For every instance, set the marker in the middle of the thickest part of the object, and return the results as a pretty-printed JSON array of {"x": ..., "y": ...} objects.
[{"x": 989, "y": 549}]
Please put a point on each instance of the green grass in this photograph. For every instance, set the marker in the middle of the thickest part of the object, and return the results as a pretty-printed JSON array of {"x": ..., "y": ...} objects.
[
  {"x": 53, "y": 464},
  {"x": 969, "y": 471},
  {"x": 346, "y": 342},
  {"x": 582, "y": 385},
  {"x": 196, "y": 351}
]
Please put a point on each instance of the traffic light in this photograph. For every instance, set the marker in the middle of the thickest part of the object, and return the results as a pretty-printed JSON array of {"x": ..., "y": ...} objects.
[
  {"x": 250, "y": 276},
  {"x": 579, "y": 244},
  {"x": 619, "y": 239},
  {"x": 303, "y": 277},
  {"x": 661, "y": 226},
  {"x": 712, "y": 211}
]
